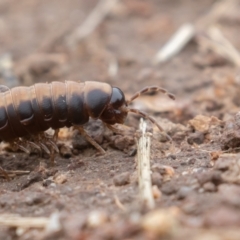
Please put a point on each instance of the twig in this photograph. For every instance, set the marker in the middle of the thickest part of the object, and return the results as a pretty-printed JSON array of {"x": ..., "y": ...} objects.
[
  {"x": 23, "y": 222},
  {"x": 92, "y": 21},
  {"x": 187, "y": 31},
  {"x": 11, "y": 174},
  {"x": 216, "y": 42},
  {"x": 17, "y": 172},
  {"x": 119, "y": 204},
  {"x": 177, "y": 42},
  {"x": 144, "y": 173}
]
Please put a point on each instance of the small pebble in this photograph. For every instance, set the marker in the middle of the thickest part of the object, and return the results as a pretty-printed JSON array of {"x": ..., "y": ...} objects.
[
  {"x": 209, "y": 187},
  {"x": 163, "y": 169},
  {"x": 35, "y": 198},
  {"x": 65, "y": 151},
  {"x": 183, "y": 192},
  {"x": 96, "y": 218},
  {"x": 172, "y": 156},
  {"x": 47, "y": 182},
  {"x": 224, "y": 162},
  {"x": 156, "y": 192},
  {"x": 223, "y": 216},
  {"x": 169, "y": 188},
  {"x": 191, "y": 161},
  {"x": 160, "y": 222},
  {"x": 197, "y": 137},
  {"x": 157, "y": 179},
  {"x": 60, "y": 179},
  {"x": 121, "y": 179}
]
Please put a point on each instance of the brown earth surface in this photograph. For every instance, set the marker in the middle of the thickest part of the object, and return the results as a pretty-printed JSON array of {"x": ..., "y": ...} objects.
[{"x": 84, "y": 195}]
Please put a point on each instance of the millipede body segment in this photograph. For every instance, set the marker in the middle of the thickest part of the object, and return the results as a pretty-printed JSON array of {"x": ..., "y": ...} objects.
[
  {"x": 26, "y": 112},
  {"x": 30, "y": 110}
]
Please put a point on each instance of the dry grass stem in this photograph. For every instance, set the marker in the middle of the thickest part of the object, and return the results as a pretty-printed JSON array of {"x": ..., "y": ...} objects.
[
  {"x": 216, "y": 42},
  {"x": 144, "y": 172},
  {"x": 176, "y": 43},
  {"x": 23, "y": 222},
  {"x": 92, "y": 21},
  {"x": 119, "y": 204}
]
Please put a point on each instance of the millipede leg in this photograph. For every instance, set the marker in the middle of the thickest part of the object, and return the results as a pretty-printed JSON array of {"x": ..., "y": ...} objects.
[
  {"x": 90, "y": 139},
  {"x": 53, "y": 145},
  {"x": 52, "y": 156},
  {"x": 35, "y": 146},
  {"x": 53, "y": 149},
  {"x": 19, "y": 145},
  {"x": 55, "y": 135}
]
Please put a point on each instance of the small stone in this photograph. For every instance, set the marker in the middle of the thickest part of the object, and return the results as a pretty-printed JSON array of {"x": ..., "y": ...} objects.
[
  {"x": 169, "y": 188},
  {"x": 65, "y": 151},
  {"x": 197, "y": 137},
  {"x": 60, "y": 179},
  {"x": 157, "y": 179},
  {"x": 122, "y": 142},
  {"x": 209, "y": 187},
  {"x": 191, "y": 161},
  {"x": 79, "y": 142},
  {"x": 200, "y": 123},
  {"x": 156, "y": 192},
  {"x": 215, "y": 155},
  {"x": 198, "y": 170},
  {"x": 160, "y": 222},
  {"x": 65, "y": 133},
  {"x": 183, "y": 192},
  {"x": 47, "y": 182},
  {"x": 163, "y": 169},
  {"x": 224, "y": 162},
  {"x": 223, "y": 216},
  {"x": 172, "y": 156},
  {"x": 213, "y": 176},
  {"x": 112, "y": 173},
  {"x": 96, "y": 219},
  {"x": 121, "y": 179},
  {"x": 35, "y": 198},
  {"x": 230, "y": 194}
]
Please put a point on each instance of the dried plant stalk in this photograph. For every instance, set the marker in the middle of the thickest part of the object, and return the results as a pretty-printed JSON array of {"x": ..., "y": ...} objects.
[
  {"x": 144, "y": 172},
  {"x": 23, "y": 222},
  {"x": 92, "y": 21},
  {"x": 177, "y": 42},
  {"x": 216, "y": 42}
]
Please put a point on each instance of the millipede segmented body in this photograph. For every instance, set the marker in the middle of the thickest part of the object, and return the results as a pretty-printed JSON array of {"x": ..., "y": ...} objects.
[{"x": 26, "y": 112}]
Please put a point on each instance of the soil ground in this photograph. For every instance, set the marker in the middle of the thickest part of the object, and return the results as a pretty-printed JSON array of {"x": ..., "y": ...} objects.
[{"x": 90, "y": 196}]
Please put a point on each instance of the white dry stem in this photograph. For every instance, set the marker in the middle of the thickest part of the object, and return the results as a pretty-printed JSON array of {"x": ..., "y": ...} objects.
[
  {"x": 144, "y": 172},
  {"x": 11, "y": 220},
  {"x": 176, "y": 43},
  {"x": 93, "y": 20},
  {"x": 113, "y": 68},
  {"x": 216, "y": 42},
  {"x": 187, "y": 31}
]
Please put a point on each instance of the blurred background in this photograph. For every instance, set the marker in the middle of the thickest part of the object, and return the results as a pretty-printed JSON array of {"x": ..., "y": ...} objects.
[{"x": 123, "y": 42}]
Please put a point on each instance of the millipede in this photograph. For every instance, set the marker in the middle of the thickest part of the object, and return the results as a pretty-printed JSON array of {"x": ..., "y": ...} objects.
[{"x": 27, "y": 112}]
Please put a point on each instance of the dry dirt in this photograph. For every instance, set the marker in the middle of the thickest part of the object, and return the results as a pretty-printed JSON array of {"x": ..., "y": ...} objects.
[{"x": 90, "y": 196}]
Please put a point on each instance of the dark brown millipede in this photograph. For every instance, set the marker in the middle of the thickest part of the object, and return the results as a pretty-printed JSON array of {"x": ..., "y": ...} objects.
[{"x": 26, "y": 112}]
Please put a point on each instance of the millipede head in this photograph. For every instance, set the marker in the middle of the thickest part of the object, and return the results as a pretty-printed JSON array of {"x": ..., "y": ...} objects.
[{"x": 117, "y": 109}]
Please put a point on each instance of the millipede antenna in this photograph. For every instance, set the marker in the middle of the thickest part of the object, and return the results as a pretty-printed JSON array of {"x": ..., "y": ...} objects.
[
  {"x": 150, "y": 89},
  {"x": 150, "y": 119}
]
